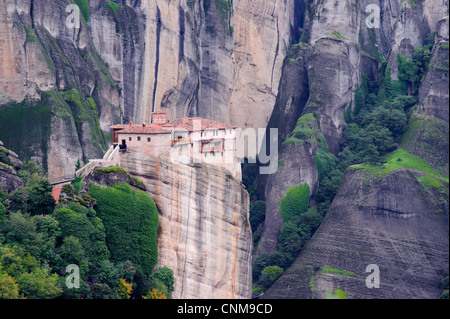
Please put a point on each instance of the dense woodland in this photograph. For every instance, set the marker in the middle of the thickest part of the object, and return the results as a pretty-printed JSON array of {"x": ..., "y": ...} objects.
[{"x": 109, "y": 233}]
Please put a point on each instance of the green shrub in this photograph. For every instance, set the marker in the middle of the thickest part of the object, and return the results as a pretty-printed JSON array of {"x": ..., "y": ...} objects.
[
  {"x": 295, "y": 202},
  {"x": 131, "y": 223},
  {"x": 269, "y": 275}
]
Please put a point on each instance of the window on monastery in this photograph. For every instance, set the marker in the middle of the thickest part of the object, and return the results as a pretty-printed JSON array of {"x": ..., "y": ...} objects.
[
  {"x": 139, "y": 138},
  {"x": 149, "y": 139},
  {"x": 129, "y": 138}
]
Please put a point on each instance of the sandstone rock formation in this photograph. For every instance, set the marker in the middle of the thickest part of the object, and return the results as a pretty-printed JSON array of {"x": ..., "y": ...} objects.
[
  {"x": 52, "y": 68},
  {"x": 214, "y": 59},
  {"x": 373, "y": 221},
  {"x": 320, "y": 77},
  {"x": 205, "y": 236}
]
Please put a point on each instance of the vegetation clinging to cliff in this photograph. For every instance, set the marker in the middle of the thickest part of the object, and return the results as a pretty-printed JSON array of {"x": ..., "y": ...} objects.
[
  {"x": 135, "y": 212},
  {"x": 36, "y": 244}
]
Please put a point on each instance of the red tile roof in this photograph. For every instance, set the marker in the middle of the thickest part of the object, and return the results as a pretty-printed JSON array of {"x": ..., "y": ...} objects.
[
  {"x": 179, "y": 124},
  {"x": 119, "y": 126},
  {"x": 144, "y": 129},
  {"x": 188, "y": 124}
]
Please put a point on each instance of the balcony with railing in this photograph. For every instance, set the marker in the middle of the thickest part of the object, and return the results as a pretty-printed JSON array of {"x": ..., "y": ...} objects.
[{"x": 181, "y": 140}]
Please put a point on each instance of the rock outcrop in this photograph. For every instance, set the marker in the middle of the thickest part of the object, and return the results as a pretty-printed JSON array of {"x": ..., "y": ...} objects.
[
  {"x": 51, "y": 67},
  {"x": 9, "y": 181},
  {"x": 205, "y": 236},
  {"x": 320, "y": 77},
  {"x": 373, "y": 221}
]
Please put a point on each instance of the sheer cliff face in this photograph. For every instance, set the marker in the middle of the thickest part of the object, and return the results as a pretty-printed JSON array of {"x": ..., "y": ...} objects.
[
  {"x": 322, "y": 74},
  {"x": 211, "y": 58},
  {"x": 214, "y": 59},
  {"x": 205, "y": 236},
  {"x": 373, "y": 221},
  {"x": 54, "y": 70}
]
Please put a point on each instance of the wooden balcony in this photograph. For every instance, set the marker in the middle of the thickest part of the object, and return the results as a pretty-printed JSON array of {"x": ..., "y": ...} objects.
[{"x": 184, "y": 140}]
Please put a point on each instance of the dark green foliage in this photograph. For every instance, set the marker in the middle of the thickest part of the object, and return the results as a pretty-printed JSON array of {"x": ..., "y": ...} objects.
[
  {"x": 296, "y": 233},
  {"x": 290, "y": 240},
  {"x": 2, "y": 213},
  {"x": 25, "y": 126},
  {"x": 38, "y": 245},
  {"x": 280, "y": 259},
  {"x": 131, "y": 223},
  {"x": 40, "y": 200},
  {"x": 257, "y": 213},
  {"x": 163, "y": 280},
  {"x": 4, "y": 196},
  {"x": 88, "y": 230},
  {"x": 249, "y": 176},
  {"x": 102, "y": 291}
]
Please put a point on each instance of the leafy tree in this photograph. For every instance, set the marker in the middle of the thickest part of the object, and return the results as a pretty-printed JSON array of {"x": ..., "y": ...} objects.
[
  {"x": 107, "y": 273},
  {"x": 35, "y": 197},
  {"x": 8, "y": 287},
  {"x": 269, "y": 275},
  {"x": 124, "y": 289},
  {"x": 89, "y": 232},
  {"x": 72, "y": 253},
  {"x": 165, "y": 274},
  {"x": 142, "y": 284},
  {"x": 4, "y": 196},
  {"x": 155, "y": 294},
  {"x": 408, "y": 70},
  {"x": 33, "y": 280},
  {"x": 40, "y": 200},
  {"x": 289, "y": 241},
  {"x": 283, "y": 260},
  {"x": 102, "y": 291},
  {"x": 29, "y": 169},
  {"x": 39, "y": 284}
]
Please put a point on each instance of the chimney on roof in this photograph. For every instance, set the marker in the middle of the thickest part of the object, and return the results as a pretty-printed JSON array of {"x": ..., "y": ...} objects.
[{"x": 159, "y": 117}]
